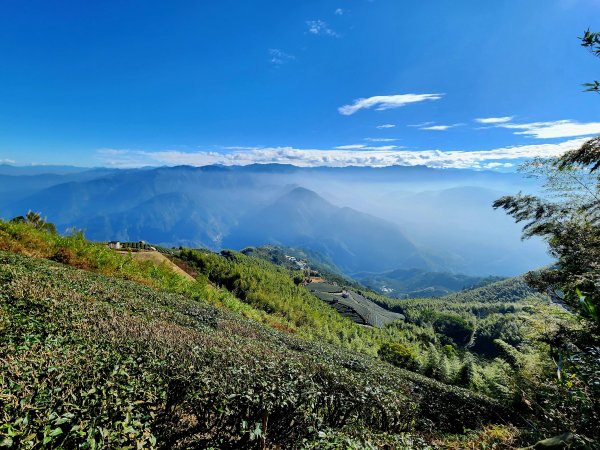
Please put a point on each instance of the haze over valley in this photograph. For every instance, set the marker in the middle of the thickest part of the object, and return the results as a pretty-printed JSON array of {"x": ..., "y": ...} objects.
[{"x": 361, "y": 219}]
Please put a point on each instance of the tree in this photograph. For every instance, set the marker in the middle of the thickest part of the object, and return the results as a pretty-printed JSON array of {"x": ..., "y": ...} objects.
[
  {"x": 35, "y": 219},
  {"x": 399, "y": 355},
  {"x": 568, "y": 218},
  {"x": 591, "y": 40}
]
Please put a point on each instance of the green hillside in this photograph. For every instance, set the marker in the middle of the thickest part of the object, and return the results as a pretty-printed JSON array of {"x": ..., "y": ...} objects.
[
  {"x": 97, "y": 361},
  {"x": 101, "y": 350}
]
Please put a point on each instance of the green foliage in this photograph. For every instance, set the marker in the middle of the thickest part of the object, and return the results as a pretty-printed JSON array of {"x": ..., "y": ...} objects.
[
  {"x": 272, "y": 290},
  {"x": 467, "y": 375},
  {"x": 508, "y": 327},
  {"x": 454, "y": 326},
  {"x": 568, "y": 221},
  {"x": 399, "y": 355},
  {"x": 591, "y": 40},
  {"x": 35, "y": 219},
  {"x": 449, "y": 351}
]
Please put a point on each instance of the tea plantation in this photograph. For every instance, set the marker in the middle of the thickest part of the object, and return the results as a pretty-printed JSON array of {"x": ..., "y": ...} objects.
[{"x": 90, "y": 361}]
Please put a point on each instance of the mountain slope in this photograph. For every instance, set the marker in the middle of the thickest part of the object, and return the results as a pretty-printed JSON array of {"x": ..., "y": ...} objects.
[{"x": 353, "y": 240}]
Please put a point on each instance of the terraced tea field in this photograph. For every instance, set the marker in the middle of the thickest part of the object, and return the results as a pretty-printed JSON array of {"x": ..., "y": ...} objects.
[{"x": 353, "y": 305}]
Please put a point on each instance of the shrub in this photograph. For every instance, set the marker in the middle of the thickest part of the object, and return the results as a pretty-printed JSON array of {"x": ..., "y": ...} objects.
[{"x": 399, "y": 355}]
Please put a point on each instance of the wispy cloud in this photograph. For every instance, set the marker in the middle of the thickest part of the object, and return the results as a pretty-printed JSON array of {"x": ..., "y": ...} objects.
[
  {"x": 350, "y": 147},
  {"x": 494, "y": 120},
  {"x": 383, "y": 102},
  {"x": 339, "y": 12},
  {"x": 7, "y": 161},
  {"x": 366, "y": 147},
  {"x": 341, "y": 157},
  {"x": 440, "y": 127},
  {"x": 386, "y": 125},
  {"x": 320, "y": 27},
  {"x": 381, "y": 139},
  {"x": 279, "y": 57},
  {"x": 544, "y": 130},
  {"x": 556, "y": 129},
  {"x": 420, "y": 125}
]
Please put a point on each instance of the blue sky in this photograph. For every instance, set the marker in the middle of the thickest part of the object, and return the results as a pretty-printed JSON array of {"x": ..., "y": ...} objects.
[{"x": 334, "y": 82}]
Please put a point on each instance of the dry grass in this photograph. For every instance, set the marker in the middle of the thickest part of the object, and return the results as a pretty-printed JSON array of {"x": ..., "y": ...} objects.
[{"x": 158, "y": 259}]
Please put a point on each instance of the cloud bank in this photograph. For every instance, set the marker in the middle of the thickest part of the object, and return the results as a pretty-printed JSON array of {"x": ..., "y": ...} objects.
[
  {"x": 383, "y": 102},
  {"x": 355, "y": 155}
]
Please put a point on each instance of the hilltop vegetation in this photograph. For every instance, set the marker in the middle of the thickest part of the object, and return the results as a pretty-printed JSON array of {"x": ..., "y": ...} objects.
[{"x": 126, "y": 364}]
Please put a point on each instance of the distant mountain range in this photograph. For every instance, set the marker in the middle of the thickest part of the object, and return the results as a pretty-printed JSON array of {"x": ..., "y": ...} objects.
[
  {"x": 362, "y": 219},
  {"x": 411, "y": 283}
]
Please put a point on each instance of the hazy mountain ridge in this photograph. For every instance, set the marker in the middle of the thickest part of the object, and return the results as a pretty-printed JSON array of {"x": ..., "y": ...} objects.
[
  {"x": 411, "y": 283},
  {"x": 351, "y": 211},
  {"x": 303, "y": 219}
]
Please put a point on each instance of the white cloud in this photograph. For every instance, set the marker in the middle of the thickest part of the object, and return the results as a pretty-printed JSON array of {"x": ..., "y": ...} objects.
[
  {"x": 279, "y": 57},
  {"x": 7, "y": 161},
  {"x": 341, "y": 157},
  {"x": 339, "y": 12},
  {"x": 350, "y": 147},
  {"x": 385, "y": 125},
  {"x": 556, "y": 129},
  {"x": 365, "y": 147},
  {"x": 383, "y": 102},
  {"x": 497, "y": 165},
  {"x": 380, "y": 139},
  {"x": 320, "y": 27},
  {"x": 420, "y": 125},
  {"x": 494, "y": 120},
  {"x": 440, "y": 127}
]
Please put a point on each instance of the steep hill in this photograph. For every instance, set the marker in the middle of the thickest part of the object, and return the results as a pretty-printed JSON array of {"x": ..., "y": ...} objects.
[{"x": 352, "y": 240}]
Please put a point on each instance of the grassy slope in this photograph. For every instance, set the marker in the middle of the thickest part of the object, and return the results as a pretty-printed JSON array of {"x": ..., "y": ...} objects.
[
  {"x": 97, "y": 361},
  {"x": 158, "y": 259}
]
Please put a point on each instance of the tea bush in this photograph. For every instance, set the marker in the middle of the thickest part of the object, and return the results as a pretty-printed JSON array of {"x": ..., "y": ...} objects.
[{"x": 96, "y": 362}]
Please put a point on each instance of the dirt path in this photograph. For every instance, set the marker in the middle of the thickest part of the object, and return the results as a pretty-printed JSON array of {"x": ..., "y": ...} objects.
[{"x": 159, "y": 258}]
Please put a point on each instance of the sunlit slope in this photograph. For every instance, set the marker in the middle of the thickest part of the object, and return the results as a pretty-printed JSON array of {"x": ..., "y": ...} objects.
[{"x": 92, "y": 360}]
